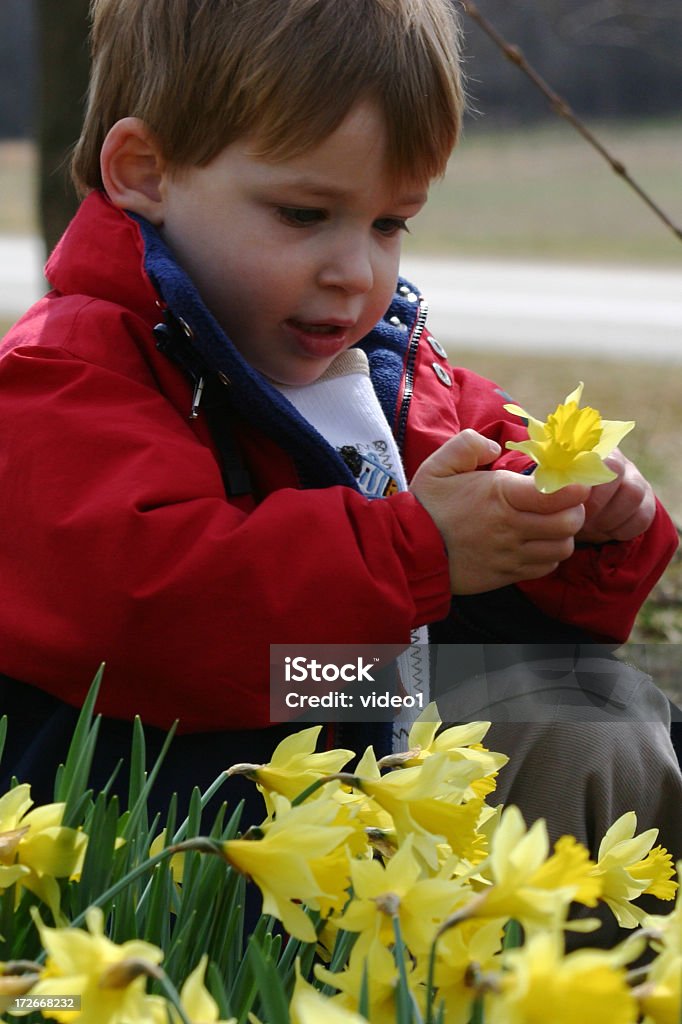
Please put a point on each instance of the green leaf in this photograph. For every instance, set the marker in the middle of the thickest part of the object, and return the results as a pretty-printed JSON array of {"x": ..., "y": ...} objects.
[
  {"x": 477, "y": 1012},
  {"x": 186, "y": 826},
  {"x": 141, "y": 784},
  {"x": 136, "y": 777},
  {"x": 245, "y": 989},
  {"x": 513, "y": 935},
  {"x": 98, "y": 865},
  {"x": 273, "y": 998},
  {"x": 71, "y": 782},
  {"x": 3, "y": 734},
  {"x": 156, "y": 925}
]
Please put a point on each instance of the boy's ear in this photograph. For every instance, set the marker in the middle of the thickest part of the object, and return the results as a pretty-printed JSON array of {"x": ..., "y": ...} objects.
[{"x": 133, "y": 168}]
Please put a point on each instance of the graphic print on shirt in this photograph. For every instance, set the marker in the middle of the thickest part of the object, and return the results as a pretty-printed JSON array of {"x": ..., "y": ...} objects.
[{"x": 371, "y": 466}]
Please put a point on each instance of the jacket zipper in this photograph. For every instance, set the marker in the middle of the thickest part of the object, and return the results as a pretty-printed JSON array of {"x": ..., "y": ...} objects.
[{"x": 408, "y": 390}]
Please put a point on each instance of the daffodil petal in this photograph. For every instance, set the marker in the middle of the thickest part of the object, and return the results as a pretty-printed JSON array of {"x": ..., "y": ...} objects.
[
  {"x": 613, "y": 432},
  {"x": 54, "y": 851},
  {"x": 197, "y": 1002},
  {"x": 575, "y": 395},
  {"x": 45, "y": 816},
  {"x": 536, "y": 428},
  {"x": 309, "y": 1006},
  {"x": 550, "y": 480},
  {"x": 13, "y": 806},
  {"x": 422, "y": 734},
  {"x": 622, "y": 828},
  {"x": 533, "y": 449},
  {"x": 516, "y": 410},
  {"x": 588, "y": 469},
  {"x": 11, "y": 874},
  {"x": 302, "y": 742}
]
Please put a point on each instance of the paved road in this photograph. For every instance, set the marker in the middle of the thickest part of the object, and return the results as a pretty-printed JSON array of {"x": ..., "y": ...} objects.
[{"x": 606, "y": 311}]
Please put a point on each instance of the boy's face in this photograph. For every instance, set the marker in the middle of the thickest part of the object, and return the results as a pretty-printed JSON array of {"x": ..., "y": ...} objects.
[{"x": 297, "y": 259}]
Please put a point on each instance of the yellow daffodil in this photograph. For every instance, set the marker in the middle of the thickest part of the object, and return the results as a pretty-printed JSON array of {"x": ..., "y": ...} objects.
[
  {"x": 470, "y": 942},
  {"x": 399, "y": 888},
  {"x": 300, "y": 858},
  {"x": 627, "y": 866},
  {"x": 382, "y": 978},
  {"x": 428, "y": 802},
  {"x": 197, "y": 1001},
  {"x": 589, "y": 986},
  {"x": 110, "y": 979},
  {"x": 528, "y": 884},
  {"x": 570, "y": 446},
  {"x": 459, "y": 742},
  {"x": 35, "y": 849},
  {"x": 295, "y": 765}
]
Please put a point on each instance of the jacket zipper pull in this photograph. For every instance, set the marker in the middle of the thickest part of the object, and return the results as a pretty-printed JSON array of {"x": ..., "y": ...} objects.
[{"x": 196, "y": 398}]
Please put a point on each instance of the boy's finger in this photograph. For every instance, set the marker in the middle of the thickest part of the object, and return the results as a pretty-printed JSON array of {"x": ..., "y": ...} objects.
[
  {"x": 462, "y": 453},
  {"x": 528, "y": 499}
]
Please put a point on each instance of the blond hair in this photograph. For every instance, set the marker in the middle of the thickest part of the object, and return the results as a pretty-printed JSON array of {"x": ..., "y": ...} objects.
[{"x": 202, "y": 73}]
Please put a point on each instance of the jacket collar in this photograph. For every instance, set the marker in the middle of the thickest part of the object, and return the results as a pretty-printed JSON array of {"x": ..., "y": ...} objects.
[{"x": 122, "y": 258}]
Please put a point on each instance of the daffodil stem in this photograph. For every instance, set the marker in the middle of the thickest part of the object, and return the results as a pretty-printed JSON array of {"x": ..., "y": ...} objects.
[
  {"x": 403, "y": 994},
  {"x": 430, "y": 987},
  {"x": 477, "y": 1012},
  {"x": 450, "y": 922},
  {"x": 350, "y": 780}
]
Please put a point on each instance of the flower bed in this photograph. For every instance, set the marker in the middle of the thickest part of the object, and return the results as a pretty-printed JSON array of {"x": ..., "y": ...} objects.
[{"x": 404, "y": 898}]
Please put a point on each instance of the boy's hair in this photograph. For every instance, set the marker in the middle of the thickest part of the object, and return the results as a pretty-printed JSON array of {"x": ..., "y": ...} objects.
[{"x": 202, "y": 73}]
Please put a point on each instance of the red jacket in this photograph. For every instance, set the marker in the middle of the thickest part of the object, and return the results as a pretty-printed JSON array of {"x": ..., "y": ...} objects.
[{"x": 120, "y": 545}]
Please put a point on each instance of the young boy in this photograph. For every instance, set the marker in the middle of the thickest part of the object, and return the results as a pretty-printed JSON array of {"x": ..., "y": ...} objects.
[{"x": 223, "y": 349}]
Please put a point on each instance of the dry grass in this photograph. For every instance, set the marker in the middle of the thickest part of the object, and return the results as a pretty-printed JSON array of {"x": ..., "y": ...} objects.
[
  {"x": 543, "y": 191},
  {"x": 18, "y": 167}
]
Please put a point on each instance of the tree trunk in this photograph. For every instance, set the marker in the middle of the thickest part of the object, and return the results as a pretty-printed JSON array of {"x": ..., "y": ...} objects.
[{"x": 63, "y": 62}]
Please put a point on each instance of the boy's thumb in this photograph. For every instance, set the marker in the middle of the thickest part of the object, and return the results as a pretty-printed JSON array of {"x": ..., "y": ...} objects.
[{"x": 462, "y": 453}]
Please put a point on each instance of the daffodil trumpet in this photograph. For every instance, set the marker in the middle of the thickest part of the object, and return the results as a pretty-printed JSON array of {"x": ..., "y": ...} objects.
[{"x": 571, "y": 445}]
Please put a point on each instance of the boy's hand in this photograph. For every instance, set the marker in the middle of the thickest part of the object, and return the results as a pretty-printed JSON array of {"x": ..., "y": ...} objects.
[
  {"x": 497, "y": 527},
  {"x": 621, "y": 509}
]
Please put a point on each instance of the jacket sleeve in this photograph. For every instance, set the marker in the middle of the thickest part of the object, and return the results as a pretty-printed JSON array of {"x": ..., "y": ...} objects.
[
  {"x": 120, "y": 546},
  {"x": 600, "y": 588}
]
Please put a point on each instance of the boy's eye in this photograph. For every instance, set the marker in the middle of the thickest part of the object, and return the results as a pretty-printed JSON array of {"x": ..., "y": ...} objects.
[
  {"x": 300, "y": 217},
  {"x": 390, "y": 226}
]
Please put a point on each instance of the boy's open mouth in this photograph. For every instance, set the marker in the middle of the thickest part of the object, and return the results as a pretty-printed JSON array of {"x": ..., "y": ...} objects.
[
  {"x": 330, "y": 329},
  {"x": 319, "y": 340}
]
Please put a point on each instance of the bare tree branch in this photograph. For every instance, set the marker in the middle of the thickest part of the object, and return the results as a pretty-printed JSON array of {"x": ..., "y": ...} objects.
[{"x": 560, "y": 107}]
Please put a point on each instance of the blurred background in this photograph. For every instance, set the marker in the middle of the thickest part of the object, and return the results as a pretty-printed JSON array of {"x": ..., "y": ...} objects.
[{"x": 541, "y": 266}]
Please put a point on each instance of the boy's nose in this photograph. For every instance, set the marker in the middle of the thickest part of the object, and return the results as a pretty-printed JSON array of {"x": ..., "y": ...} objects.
[{"x": 348, "y": 267}]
